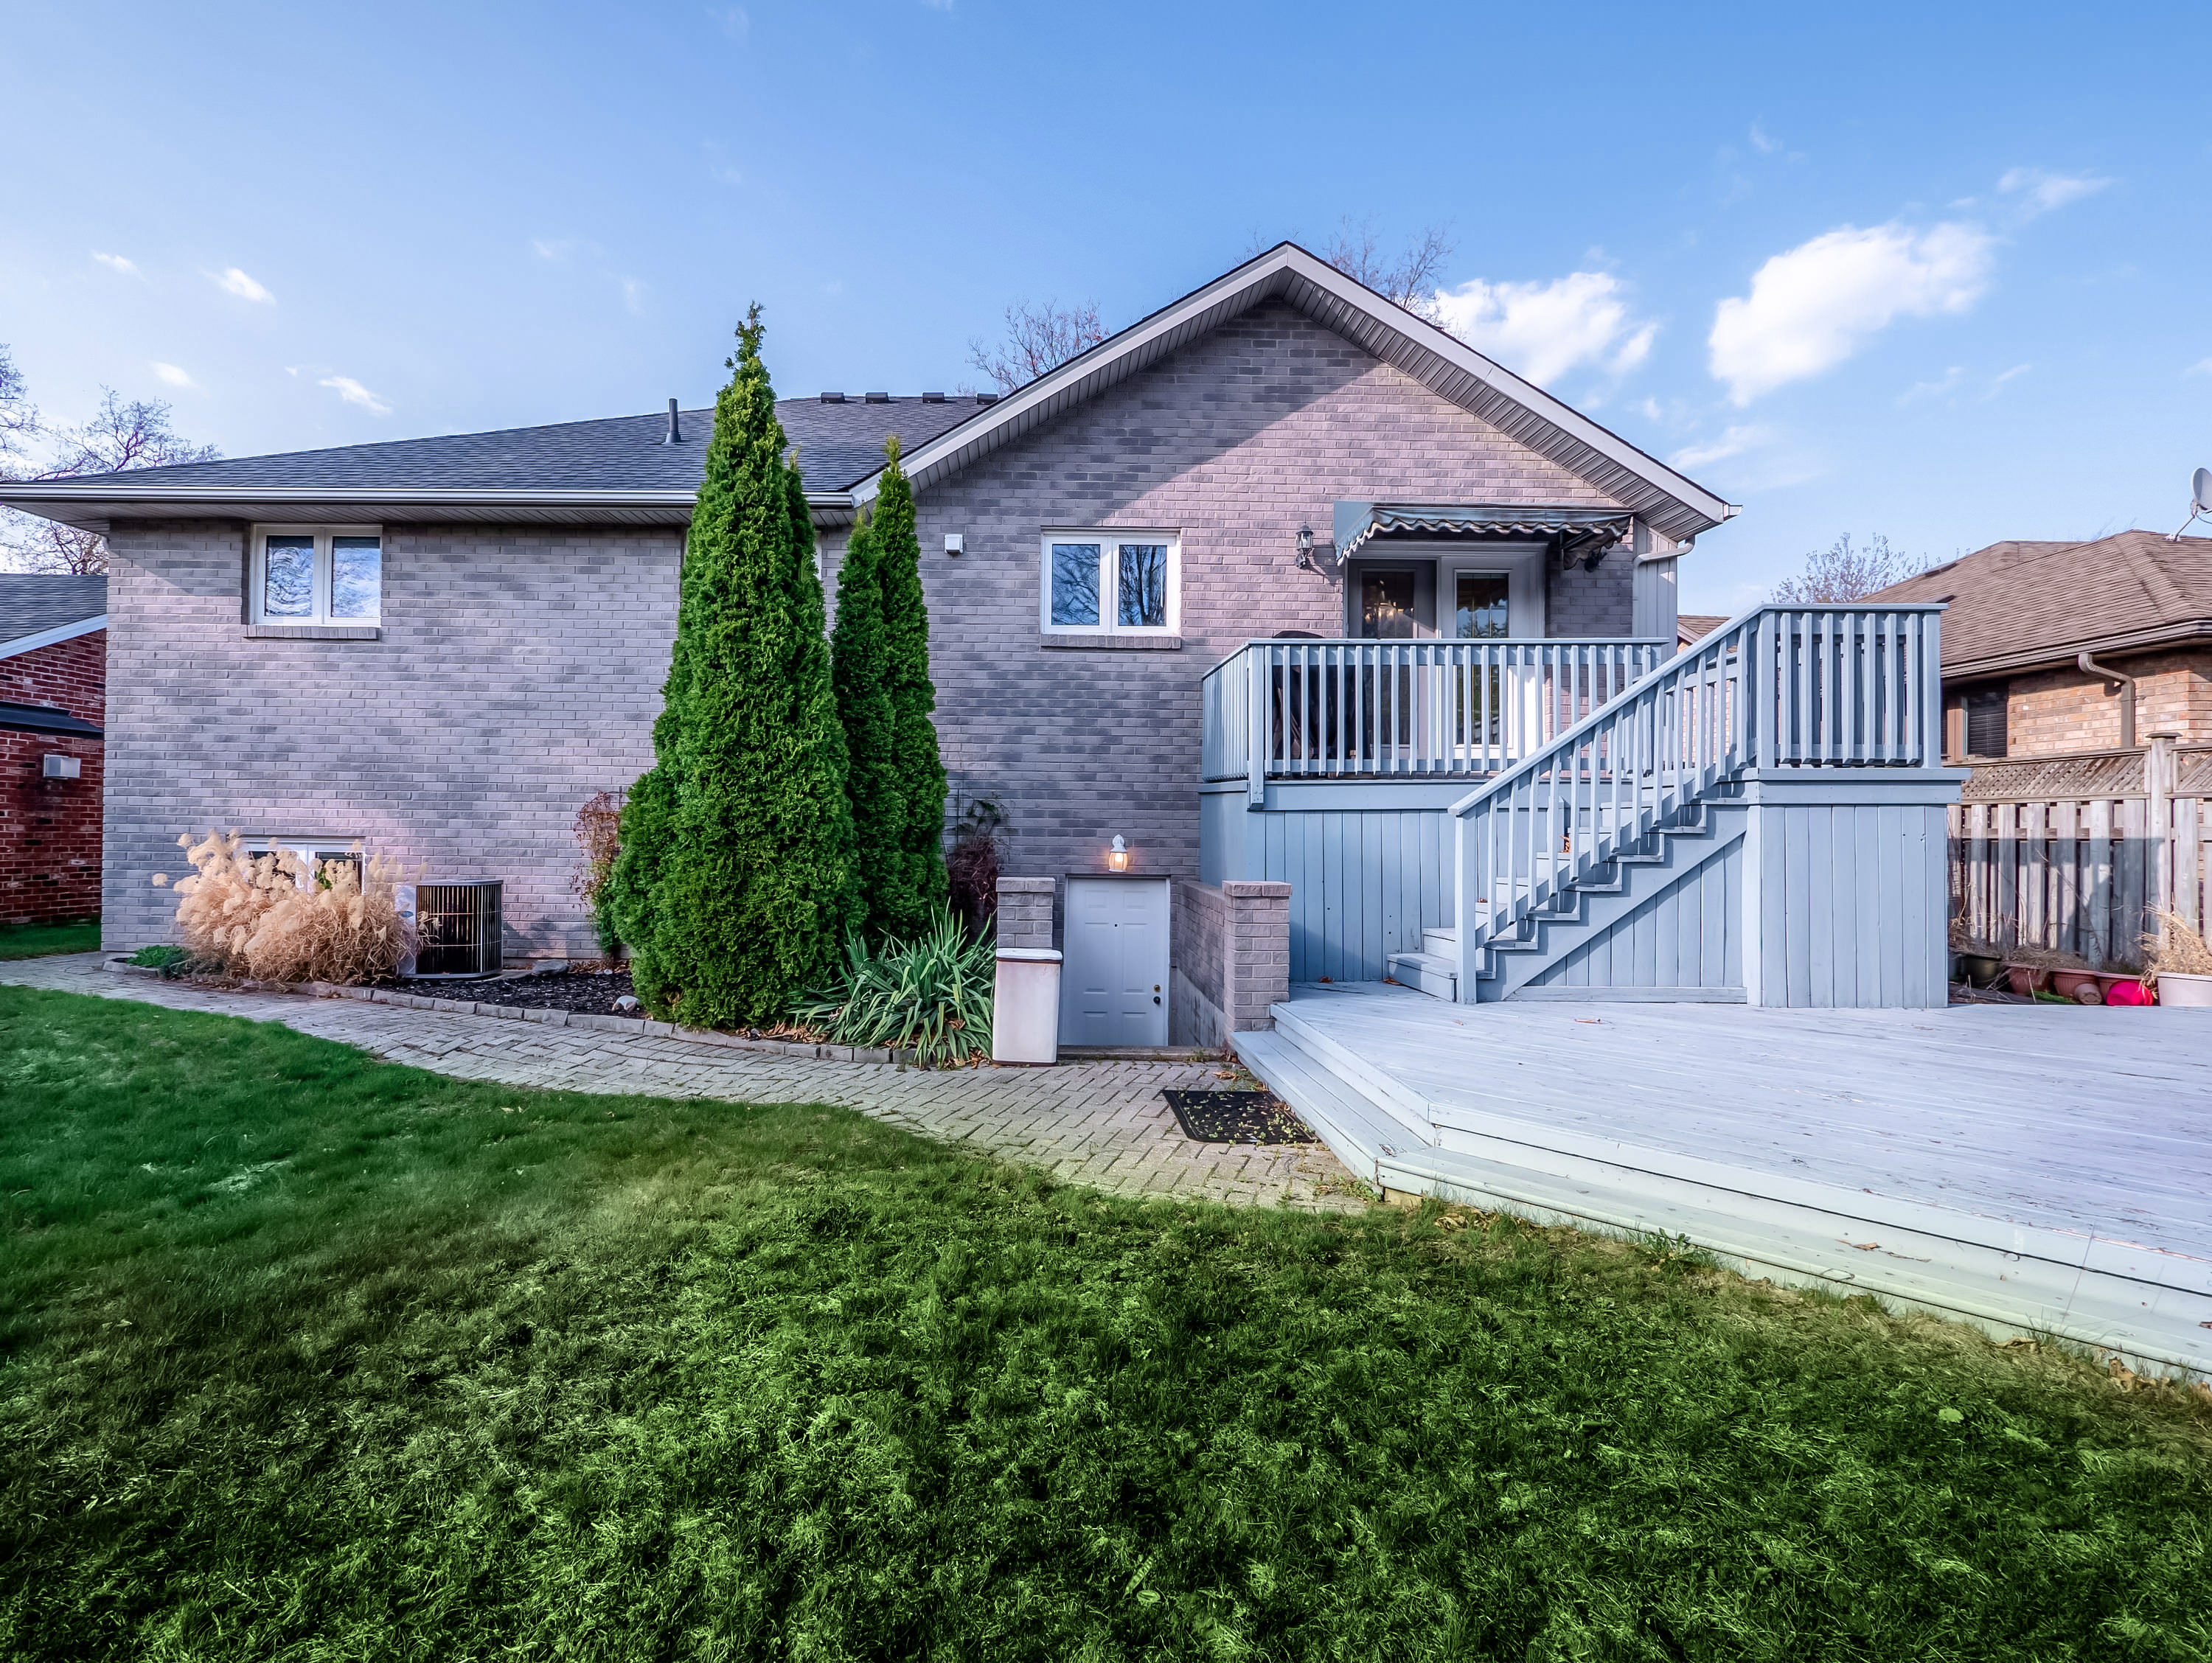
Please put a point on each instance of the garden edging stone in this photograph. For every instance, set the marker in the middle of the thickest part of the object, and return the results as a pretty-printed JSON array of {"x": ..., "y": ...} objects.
[{"x": 555, "y": 1018}]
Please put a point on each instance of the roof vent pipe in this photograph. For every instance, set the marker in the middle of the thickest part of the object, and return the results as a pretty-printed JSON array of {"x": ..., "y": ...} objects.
[
  {"x": 2090, "y": 666},
  {"x": 675, "y": 427}
]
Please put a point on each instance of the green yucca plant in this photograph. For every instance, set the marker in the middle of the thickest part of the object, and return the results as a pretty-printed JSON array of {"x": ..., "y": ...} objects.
[{"x": 931, "y": 996}]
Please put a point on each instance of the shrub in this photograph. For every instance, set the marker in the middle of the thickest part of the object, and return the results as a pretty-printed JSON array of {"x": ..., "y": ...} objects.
[
  {"x": 599, "y": 835},
  {"x": 2182, "y": 952},
  {"x": 931, "y": 996},
  {"x": 971, "y": 870},
  {"x": 280, "y": 917},
  {"x": 165, "y": 957},
  {"x": 864, "y": 706}
]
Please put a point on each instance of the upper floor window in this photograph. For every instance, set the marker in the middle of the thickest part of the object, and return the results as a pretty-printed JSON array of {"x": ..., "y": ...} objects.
[
  {"x": 1111, "y": 583},
  {"x": 317, "y": 574}
]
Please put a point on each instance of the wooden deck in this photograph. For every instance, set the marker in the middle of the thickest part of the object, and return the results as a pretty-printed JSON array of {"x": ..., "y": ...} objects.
[{"x": 2039, "y": 1168}]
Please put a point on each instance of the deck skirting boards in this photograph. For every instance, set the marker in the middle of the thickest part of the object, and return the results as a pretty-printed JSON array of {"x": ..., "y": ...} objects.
[
  {"x": 2078, "y": 1224},
  {"x": 1630, "y": 995}
]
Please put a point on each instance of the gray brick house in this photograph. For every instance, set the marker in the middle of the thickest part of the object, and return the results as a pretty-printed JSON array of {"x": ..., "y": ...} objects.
[{"x": 445, "y": 646}]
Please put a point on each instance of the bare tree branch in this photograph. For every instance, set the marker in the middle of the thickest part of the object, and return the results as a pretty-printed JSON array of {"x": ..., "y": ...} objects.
[
  {"x": 1411, "y": 278},
  {"x": 1840, "y": 572},
  {"x": 19, "y": 416},
  {"x": 121, "y": 436},
  {"x": 1039, "y": 338}
]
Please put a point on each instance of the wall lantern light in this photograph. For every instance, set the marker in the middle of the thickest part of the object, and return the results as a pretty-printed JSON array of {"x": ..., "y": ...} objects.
[
  {"x": 1117, "y": 857},
  {"x": 1305, "y": 547}
]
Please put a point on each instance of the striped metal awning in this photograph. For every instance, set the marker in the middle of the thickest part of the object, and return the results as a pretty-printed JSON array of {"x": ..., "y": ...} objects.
[{"x": 1573, "y": 528}]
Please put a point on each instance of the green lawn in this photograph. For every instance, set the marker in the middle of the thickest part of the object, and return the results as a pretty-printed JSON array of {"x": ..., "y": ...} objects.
[
  {"x": 37, "y": 940},
  {"x": 307, "y": 1355}
]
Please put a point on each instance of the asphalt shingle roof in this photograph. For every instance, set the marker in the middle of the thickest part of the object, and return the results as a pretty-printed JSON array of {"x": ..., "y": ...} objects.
[
  {"x": 33, "y": 603},
  {"x": 838, "y": 445},
  {"x": 2015, "y": 598}
]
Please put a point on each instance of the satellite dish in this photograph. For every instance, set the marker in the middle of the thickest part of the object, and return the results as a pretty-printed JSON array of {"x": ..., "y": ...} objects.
[{"x": 2200, "y": 499}]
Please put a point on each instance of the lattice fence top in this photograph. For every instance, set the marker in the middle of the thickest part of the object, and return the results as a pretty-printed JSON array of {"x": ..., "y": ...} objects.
[{"x": 2084, "y": 775}]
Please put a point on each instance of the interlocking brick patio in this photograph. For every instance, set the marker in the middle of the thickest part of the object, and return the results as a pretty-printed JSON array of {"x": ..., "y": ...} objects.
[{"x": 1101, "y": 1124}]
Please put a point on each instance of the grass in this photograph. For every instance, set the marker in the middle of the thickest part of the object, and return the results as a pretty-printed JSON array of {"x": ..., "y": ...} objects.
[
  {"x": 310, "y": 1357},
  {"x": 39, "y": 940}
]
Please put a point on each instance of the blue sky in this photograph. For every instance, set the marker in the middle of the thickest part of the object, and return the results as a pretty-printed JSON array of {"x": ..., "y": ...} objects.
[{"x": 1934, "y": 272}]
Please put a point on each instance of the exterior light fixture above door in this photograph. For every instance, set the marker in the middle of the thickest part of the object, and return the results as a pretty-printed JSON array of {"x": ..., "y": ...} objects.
[{"x": 1117, "y": 857}]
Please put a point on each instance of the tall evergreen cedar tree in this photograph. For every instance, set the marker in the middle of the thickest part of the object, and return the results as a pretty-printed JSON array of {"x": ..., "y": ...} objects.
[
  {"x": 734, "y": 883},
  {"x": 917, "y": 892},
  {"x": 864, "y": 704}
]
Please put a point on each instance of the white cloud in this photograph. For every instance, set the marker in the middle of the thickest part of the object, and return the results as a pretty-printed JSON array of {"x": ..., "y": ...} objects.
[
  {"x": 2201, "y": 366},
  {"x": 633, "y": 295},
  {"x": 1919, "y": 390},
  {"x": 354, "y": 393},
  {"x": 547, "y": 248},
  {"x": 1761, "y": 142},
  {"x": 234, "y": 282},
  {"x": 117, "y": 262},
  {"x": 171, "y": 374},
  {"x": 2017, "y": 369},
  {"x": 1814, "y": 305},
  {"x": 2041, "y": 192},
  {"x": 1541, "y": 331},
  {"x": 733, "y": 19},
  {"x": 1733, "y": 442}
]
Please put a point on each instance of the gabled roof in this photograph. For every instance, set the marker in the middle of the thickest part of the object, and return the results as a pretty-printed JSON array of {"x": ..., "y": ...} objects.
[
  {"x": 619, "y": 470},
  {"x": 2017, "y": 605},
  {"x": 38, "y": 608},
  {"x": 1674, "y": 505}
]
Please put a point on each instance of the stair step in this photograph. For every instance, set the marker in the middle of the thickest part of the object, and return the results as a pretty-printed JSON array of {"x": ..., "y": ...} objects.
[
  {"x": 1426, "y": 973},
  {"x": 1443, "y": 943},
  {"x": 1356, "y": 1132},
  {"x": 1406, "y": 1107}
]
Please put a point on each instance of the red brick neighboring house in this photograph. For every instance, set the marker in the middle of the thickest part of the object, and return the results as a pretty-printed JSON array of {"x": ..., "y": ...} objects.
[
  {"x": 2058, "y": 648},
  {"x": 53, "y": 706}
]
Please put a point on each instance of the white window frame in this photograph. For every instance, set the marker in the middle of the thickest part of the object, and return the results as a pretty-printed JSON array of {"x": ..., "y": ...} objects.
[
  {"x": 1109, "y": 539},
  {"x": 257, "y": 575}
]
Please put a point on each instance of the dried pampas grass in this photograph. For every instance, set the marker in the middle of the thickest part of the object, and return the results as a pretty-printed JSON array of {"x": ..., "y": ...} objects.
[
  {"x": 278, "y": 916},
  {"x": 2180, "y": 952}
]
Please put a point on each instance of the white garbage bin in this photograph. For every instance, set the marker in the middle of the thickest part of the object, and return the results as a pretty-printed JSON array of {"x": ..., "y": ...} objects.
[{"x": 1025, "y": 1006}]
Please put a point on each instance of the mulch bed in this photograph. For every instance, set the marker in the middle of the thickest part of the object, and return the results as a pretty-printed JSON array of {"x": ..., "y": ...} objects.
[
  {"x": 1236, "y": 1117},
  {"x": 594, "y": 992}
]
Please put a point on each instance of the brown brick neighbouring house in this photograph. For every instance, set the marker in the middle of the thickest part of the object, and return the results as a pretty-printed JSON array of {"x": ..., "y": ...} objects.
[
  {"x": 2024, "y": 615},
  {"x": 53, "y": 702}
]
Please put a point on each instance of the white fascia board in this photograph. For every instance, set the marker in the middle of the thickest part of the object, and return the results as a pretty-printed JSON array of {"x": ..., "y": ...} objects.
[
  {"x": 108, "y": 497},
  {"x": 60, "y": 632},
  {"x": 1253, "y": 280}
]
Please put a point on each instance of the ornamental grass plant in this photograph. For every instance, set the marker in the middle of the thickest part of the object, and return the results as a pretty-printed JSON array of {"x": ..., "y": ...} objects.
[
  {"x": 279, "y": 915},
  {"x": 931, "y": 996}
]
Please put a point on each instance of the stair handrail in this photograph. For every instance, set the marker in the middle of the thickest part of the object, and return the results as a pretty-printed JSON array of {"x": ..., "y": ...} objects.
[{"x": 1652, "y": 751}]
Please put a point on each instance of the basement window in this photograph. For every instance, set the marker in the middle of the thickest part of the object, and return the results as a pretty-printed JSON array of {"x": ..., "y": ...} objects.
[
  {"x": 1111, "y": 583},
  {"x": 317, "y": 574}
]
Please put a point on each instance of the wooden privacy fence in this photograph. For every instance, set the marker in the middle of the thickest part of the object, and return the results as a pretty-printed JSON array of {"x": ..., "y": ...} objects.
[{"x": 2076, "y": 854}]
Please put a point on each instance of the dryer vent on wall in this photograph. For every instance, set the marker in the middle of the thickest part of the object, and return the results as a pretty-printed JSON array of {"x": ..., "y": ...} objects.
[{"x": 457, "y": 926}]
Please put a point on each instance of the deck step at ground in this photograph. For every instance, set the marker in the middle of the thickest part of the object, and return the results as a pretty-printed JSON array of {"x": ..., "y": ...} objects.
[
  {"x": 1356, "y": 1132},
  {"x": 1405, "y": 1108}
]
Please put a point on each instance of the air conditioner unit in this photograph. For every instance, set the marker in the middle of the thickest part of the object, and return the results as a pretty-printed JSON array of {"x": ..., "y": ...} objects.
[
  {"x": 457, "y": 929},
  {"x": 62, "y": 767}
]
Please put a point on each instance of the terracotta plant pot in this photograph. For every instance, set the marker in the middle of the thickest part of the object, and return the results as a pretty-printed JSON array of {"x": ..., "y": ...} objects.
[
  {"x": 2080, "y": 985},
  {"x": 2186, "y": 991},
  {"x": 2026, "y": 979}
]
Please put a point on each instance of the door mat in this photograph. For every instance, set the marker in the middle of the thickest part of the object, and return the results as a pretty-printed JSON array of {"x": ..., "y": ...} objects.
[{"x": 1235, "y": 1117}]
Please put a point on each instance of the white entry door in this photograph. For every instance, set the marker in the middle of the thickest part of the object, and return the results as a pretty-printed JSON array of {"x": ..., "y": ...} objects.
[{"x": 1114, "y": 976}]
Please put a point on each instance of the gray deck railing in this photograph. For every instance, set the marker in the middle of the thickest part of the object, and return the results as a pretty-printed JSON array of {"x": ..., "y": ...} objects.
[
  {"x": 1779, "y": 687},
  {"x": 1365, "y": 709}
]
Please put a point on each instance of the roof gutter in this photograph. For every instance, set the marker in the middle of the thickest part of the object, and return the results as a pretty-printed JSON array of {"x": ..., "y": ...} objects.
[
  {"x": 2058, "y": 658},
  {"x": 2091, "y": 667},
  {"x": 60, "y": 633}
]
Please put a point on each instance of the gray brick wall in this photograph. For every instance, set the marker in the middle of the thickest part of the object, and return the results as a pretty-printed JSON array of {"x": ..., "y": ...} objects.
[
  {"x": 1237, "y": 440},
  {"x": 518, "y": 671}
]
